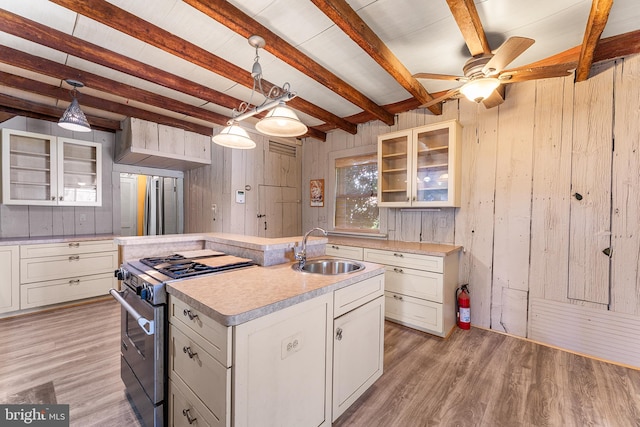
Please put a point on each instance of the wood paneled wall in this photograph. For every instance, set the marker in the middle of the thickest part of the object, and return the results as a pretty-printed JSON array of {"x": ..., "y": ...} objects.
[
  {"x": 50, "y": 221},
  {"x": 525, "y": 234}
]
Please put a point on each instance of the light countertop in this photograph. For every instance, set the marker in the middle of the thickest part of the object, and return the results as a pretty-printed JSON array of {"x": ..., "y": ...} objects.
[
  {"x": 53, "y": 239},
  {"x": 433, "y": 249},
  {"x": 238, "y": 296}
]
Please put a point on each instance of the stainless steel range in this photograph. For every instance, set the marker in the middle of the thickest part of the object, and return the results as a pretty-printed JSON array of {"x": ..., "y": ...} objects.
[{"x": 143, "y": 365}]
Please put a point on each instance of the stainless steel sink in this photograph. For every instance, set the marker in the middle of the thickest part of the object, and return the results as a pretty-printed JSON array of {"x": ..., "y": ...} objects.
[{"x": 329, "y": 267}]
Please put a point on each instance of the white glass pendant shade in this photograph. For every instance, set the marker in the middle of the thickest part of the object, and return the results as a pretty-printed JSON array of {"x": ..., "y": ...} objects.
[
  {"x": 479, "y": 89},
  {"x": 281, "y": 121},
  {"x": 74, "y": 119},
  {"x": 234, "y": 136}
]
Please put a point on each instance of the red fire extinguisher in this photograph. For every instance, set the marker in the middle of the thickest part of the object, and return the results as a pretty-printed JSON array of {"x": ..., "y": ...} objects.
[{"x": 463, "y": 307}]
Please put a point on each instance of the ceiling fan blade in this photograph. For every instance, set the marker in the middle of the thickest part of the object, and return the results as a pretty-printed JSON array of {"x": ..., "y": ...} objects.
[
  {"x": 449, "y": 94},
  {"x": 496, "y": 98},
  {"x": 523, "y": 74},
  {"x": 432, "y": 76},
  {"x": 510, "y": 50}
]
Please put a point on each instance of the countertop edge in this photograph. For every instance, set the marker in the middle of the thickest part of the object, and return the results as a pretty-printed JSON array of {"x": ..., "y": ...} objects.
[{"x": 6, "y": 241}]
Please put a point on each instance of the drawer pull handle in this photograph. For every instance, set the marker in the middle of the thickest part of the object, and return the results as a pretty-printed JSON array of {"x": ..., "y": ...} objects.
[
  {"x": 339, "y": 334},
  {"x": 74, "y": 245},
  {"x": 397, "y": 270},
  {"x": 189, "y": 314},
  {"x": 74, "y": 282},
  {"x": 74, "y": 258},
  {"x": 186, "y": 413},
  {"x": 398, "y": 255},
  {"x": 187, "y": 350},
  {"x": 335, "y": 247},
  {"x": 398, "y": 297}
]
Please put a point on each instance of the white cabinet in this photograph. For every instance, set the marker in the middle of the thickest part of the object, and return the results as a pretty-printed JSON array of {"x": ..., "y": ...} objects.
[
  {"x": 10, "y": 285},
  {"x": 420, "y": 167},
  {"x": 199, "y": 368},
  {"x": 55, "y": 273},
  {"x": 281, "y": 375},
  {"x": 342, "y": 251},
  {"x": 419, "y": 289},
  {"x": 40, "y": 169},
  {"x": 358, "y": 347}
]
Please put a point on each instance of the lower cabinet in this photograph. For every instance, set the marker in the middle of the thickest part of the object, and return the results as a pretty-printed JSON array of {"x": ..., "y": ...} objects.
[
  {"x": 10, "y": 284},
  {"x": 300, "y": 366},
  {"x": 53, "y": 273}
]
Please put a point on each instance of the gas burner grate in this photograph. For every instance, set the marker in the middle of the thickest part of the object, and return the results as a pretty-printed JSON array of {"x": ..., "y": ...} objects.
[{"x": 154, "y": 261}]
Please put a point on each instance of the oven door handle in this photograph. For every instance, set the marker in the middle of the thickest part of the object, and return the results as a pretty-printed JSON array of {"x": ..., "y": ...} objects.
[{"x": 148, "y": 326}]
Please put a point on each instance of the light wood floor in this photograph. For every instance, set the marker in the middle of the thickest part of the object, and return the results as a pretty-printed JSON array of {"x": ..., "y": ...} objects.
[{"x": 474, "y": 378}]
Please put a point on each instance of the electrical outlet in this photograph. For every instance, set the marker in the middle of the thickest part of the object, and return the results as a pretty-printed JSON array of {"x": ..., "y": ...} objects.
[
  {"x": 83, "y": 217},
  {"x": 290, "y": 345}
]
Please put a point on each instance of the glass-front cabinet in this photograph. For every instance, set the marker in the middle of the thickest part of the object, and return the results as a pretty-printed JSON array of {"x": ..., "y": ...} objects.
[
  {"x": 40, "y": 169},
  {"x": 420, "y": 167}
]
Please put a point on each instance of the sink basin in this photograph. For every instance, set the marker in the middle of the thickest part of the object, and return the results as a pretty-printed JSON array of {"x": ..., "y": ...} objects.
[{"x": 329, "y": 267}]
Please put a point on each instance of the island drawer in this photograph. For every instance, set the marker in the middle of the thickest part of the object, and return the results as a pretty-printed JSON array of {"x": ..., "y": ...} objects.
[
  {"x": 199, "y": 370},
  {"x": 416, "y": 283},
  {"x": 414, "y": 312},
  {"x": 184, "y": 405},
  {"x": 215, "y": 337},
  {"x": 404, "y": 259},
  {"x": 350, "y": 252},
  {"x": 346, "y": 299}
]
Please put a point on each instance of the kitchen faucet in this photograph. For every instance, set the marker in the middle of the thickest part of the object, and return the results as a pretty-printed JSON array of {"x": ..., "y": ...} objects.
[{"x": 301, "y": 256}]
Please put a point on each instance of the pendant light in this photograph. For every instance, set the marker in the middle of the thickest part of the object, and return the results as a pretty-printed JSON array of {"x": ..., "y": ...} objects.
[
  {"x": 73, "y": 118},
  {"x": 280, "y": 121}
]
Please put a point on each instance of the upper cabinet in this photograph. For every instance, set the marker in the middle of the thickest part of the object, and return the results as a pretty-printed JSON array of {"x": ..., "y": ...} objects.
[
  {"x": 40, "y": 169},
  {"x": 420, "y": 167}
]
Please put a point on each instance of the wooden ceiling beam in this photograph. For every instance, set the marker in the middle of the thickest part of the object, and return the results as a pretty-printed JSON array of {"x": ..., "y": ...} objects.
[
  {"x": 468, "y": 20},
  {"x": 352, "y": 25},
  {"x": 127, "y": 23},
  {"x": 56, "y": 92},
  {"x": 236, "y": 20},
  {"x": 20, "y": 107},
  {"x": 598, "y": 18},
  {"x": 60, "y": 71}
]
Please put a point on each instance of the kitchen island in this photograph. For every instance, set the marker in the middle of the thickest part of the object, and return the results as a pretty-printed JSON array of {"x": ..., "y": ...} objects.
[{"x": 267, "y": 345}]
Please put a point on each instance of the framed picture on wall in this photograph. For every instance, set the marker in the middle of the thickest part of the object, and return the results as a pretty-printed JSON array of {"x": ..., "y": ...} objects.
[{"x": 316, "y": 188}]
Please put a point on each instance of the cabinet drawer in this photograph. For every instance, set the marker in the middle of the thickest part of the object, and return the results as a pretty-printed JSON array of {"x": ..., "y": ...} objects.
[
  {"x": 211, "y": 335},
  {"x": 57, "y": 291},
  {"x": 346, "y": 299},
  {"x": 350, "y": 252},
  {"x": 60, "y": 267},
  {"x": 200, "y": 371},
  {"x": 68, "y": 248},
  {"x": 181, "y": 400},
  {"x": 403, "y": 259},
  {"x": 414, "y": 312},
  {"x": 415, "y": 283}
]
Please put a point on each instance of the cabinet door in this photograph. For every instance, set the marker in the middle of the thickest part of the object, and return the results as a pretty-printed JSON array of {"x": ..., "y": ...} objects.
[
  {"x": 393, "y": 169},
  {"x": 10, "y": 285},
  {"x": 282, "y": 377},
  {"x": 435, "y": 165},
  {"x": 358, "y": 353},
  {"x": 79, "y": 174},
  {"x": 29, "y": 162}
]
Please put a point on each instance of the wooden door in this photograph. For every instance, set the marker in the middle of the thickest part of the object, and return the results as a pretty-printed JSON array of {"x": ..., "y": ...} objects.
[
  {"x": 128, "y": 205},
  {"x": 279, "y": 212}
]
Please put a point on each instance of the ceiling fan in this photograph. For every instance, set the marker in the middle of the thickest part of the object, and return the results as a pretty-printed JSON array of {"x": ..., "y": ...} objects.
[{"x": 483, "y": 73}]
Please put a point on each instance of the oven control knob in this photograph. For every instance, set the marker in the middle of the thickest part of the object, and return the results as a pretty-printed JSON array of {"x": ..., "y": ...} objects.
[
  {"x": 144, "y": 294},
  {"x": 121, "y": 274}
]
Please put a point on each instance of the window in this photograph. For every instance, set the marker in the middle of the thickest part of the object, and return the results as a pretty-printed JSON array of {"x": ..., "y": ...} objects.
[{"x": 356, "y": 207}]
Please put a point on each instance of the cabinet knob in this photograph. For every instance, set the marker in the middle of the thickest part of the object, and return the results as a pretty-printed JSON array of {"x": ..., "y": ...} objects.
[
  {"x": 339, "y": 334},
  {"x": 189, "y": 314},
  {"x": 187, "y": 414},
  {"x": 187, "y": 350}
]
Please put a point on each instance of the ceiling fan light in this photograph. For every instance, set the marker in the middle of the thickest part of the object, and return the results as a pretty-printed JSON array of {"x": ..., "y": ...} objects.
[
  {"x": 479, "y": 89},
  {"x": 281, "y": 121},
  {"x": 74, "y": 119},
  {"x": 234, "y": 136}
]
